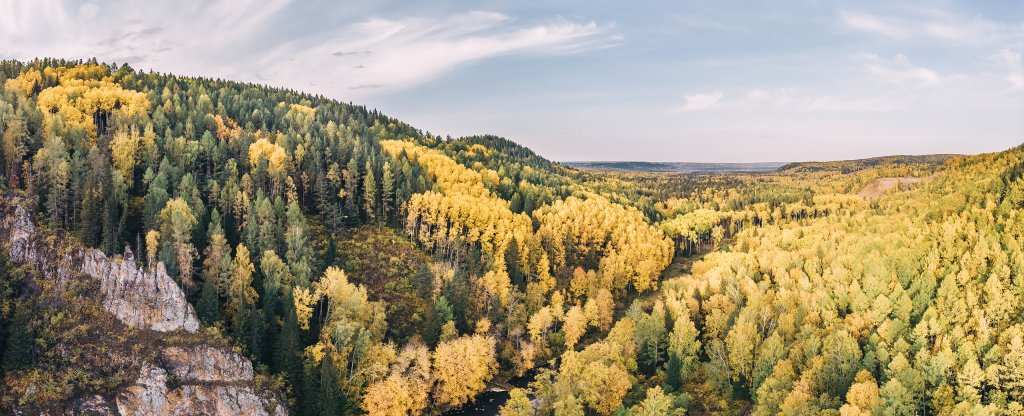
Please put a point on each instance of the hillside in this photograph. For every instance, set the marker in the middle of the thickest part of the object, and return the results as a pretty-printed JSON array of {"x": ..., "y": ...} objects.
[
  {"x": 849, "y": 166},
  {"x": 880, "y": 186},
  {"x": 682, "y": 167},
  {"x": 164, "y": 235}
]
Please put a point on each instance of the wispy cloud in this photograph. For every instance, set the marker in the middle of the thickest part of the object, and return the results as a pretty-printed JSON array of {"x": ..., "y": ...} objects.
[
  {"x": 898, "y": 71},
  {"x": 932, "y": 25},
  {"x": 763, "y": 100},
  {"x": 1012, "y": 60},
  {"x": 400, "y": 53},
  {"x": 871, "y": 24},
  {"x": 697, "y": 102},
  {"x": 259, "y": 41}
]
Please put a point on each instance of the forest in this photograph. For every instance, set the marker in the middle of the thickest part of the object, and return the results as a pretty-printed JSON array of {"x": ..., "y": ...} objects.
[{"x": 365, "y": 266}]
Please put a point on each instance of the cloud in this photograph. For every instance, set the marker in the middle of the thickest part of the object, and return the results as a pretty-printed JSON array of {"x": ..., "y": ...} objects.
[
  {"x": 401, "y": 53},
  {"x": 251, "y": 40},
  {"x": 897, "y": 71},
  {"x": 932, "y": 25},
  {"x": 1012, "y": 60},
  {"x": 791, "y": 100},
  {"x": 872, "y": 24},
  {"x": 697, "y": 102}
]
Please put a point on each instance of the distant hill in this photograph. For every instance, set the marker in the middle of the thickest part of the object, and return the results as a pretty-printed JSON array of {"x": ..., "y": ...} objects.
[
  {"x": 847, "y": 166},
  {"x": 680, "y": 167}
]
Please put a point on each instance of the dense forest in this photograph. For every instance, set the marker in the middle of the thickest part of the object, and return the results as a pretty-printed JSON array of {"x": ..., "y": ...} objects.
[{"x": 365, "y": 266}]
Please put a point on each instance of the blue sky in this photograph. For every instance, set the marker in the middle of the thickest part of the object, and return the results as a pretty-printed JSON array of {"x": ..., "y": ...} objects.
[{"x": 738, "y": 81}]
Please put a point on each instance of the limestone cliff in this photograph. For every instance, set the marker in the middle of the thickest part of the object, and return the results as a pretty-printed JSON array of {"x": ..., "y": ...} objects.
[{"x": 176, "y": 369}]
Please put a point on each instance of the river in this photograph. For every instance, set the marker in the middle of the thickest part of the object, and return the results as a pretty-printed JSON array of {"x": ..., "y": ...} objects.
[{"x": 489, "y": 402}]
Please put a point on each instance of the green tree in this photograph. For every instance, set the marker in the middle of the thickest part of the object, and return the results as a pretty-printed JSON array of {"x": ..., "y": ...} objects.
[
  {"x": 387, "y": 192},
  {"x": 370, "y": 194},
  {"x": 52, "y": 171},
  {"x": 14, "y": 147},
  {"x": 299, "y": 254}
]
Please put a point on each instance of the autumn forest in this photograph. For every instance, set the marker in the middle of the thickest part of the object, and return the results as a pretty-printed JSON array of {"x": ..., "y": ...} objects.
[{"x": 364, "y": 266}]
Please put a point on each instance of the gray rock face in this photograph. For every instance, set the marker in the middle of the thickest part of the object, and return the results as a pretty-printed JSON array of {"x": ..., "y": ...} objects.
[
  {"x": 139, "y": 298},
  {"x": 150, "y": 396},
  {"x": 206, "y": 364},
  {"x": 193, "y": 379}
]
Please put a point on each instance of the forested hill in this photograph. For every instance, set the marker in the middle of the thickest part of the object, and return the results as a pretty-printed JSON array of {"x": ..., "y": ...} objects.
[
  {"x": 362, "y": 265},
  {"x": 260, "y": 201},
  {"x": 682, "y": 167},
  {"x": 848, "y": 166}
]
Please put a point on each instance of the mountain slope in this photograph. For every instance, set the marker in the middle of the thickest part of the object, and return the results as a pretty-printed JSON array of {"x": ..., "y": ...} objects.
[
  {"x": 360, "y": 265},
  {"x": 142, "y": 337}
]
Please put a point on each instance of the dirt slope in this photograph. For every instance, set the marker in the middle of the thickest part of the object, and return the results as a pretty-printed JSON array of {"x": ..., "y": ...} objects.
[{"x": 880, "y": 186}]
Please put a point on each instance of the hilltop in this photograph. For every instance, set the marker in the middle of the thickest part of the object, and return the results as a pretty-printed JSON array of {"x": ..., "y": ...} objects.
[
  {"x": 849, "y": 166},
  {"x": 681, "y": 167}
]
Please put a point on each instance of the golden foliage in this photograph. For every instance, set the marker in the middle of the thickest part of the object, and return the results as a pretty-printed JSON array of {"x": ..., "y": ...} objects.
[
  {"x": 124, "y": 149},
  {"x": 462, "y": 367},
  {"x": 631, "y": 250},
  {"x": 463, "y": 211},
  {"x": 226, "y": 128},
  {"x": 241, "y": 294},
  {"x": 78, "y": 101},
  {"x": 452, "y": 177},
  {"x": 406, "y": 390},
  {"x": 276, "y": 157},
  {"x": 25, "y": 83}
]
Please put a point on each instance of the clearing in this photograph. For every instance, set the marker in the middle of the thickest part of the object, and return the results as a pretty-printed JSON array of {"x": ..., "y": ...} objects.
[{"x": 880, "y": 186}]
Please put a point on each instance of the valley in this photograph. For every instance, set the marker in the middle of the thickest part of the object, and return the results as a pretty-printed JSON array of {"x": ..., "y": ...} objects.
[{"x": 192, "y": 245}]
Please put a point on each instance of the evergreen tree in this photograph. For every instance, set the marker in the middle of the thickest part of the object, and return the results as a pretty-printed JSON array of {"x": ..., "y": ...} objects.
[
  {"x": 18, "y": 351},
  {"x": 208, "y": 306},
  {"x": 387, "y": 193},
  {"x": 370, "y": 194},
  {"x": 351, "y": 176}
]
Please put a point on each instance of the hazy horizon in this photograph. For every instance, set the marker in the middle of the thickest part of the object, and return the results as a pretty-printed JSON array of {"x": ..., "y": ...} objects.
[{"x": 596, "y": 81}]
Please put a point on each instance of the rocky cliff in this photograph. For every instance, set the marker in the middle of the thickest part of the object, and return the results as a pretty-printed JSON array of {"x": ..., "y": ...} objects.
[
  {"x": 175, "y": 368},
  {"x": 139, "y": 298}
]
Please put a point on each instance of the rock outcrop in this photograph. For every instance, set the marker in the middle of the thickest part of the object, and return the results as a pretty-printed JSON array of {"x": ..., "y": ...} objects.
[
  {"x": 205, "y": 364},
  {"x": 152, "y": 395},
  {"x": 180, "y": 371},
  {"x": 139, "y": 298}
]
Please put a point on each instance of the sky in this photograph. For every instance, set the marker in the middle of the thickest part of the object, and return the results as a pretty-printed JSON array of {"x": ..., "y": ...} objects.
[{"x": 673, "y": 80}]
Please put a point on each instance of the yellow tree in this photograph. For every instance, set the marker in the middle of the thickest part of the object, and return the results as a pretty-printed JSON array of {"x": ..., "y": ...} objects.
[
  {"x": 275, "y": 156},
  {"x": 152, "y": 246},
  {"x": 241, "y": 294},
  {"x": 657, "y": 403},
  {"x": 518, "y": 404},
  {"x": 406, "y": 390},
  {"x": 462, "y": 368},
  {"x": 124, "y": 149},
  {"x": 862, "y": 396},
  {"x": 176, "y": 224},
  {"x": 574, "y": 326},
  {"x": 388, "y": 397}
]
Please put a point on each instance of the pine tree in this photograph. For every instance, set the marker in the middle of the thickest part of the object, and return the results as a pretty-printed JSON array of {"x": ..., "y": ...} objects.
[
  {"x": 370, "y": 194},
  {"x": 208, "y": 306},
  {"x": 351, "y": 176},
  {"x": 287, "y": 354},
  {"x": 298, "y": 254},
  {"x": 18, "y": 351},
  {"x": 257, "y": 332},
  {"x": 387, "y": 193}
]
